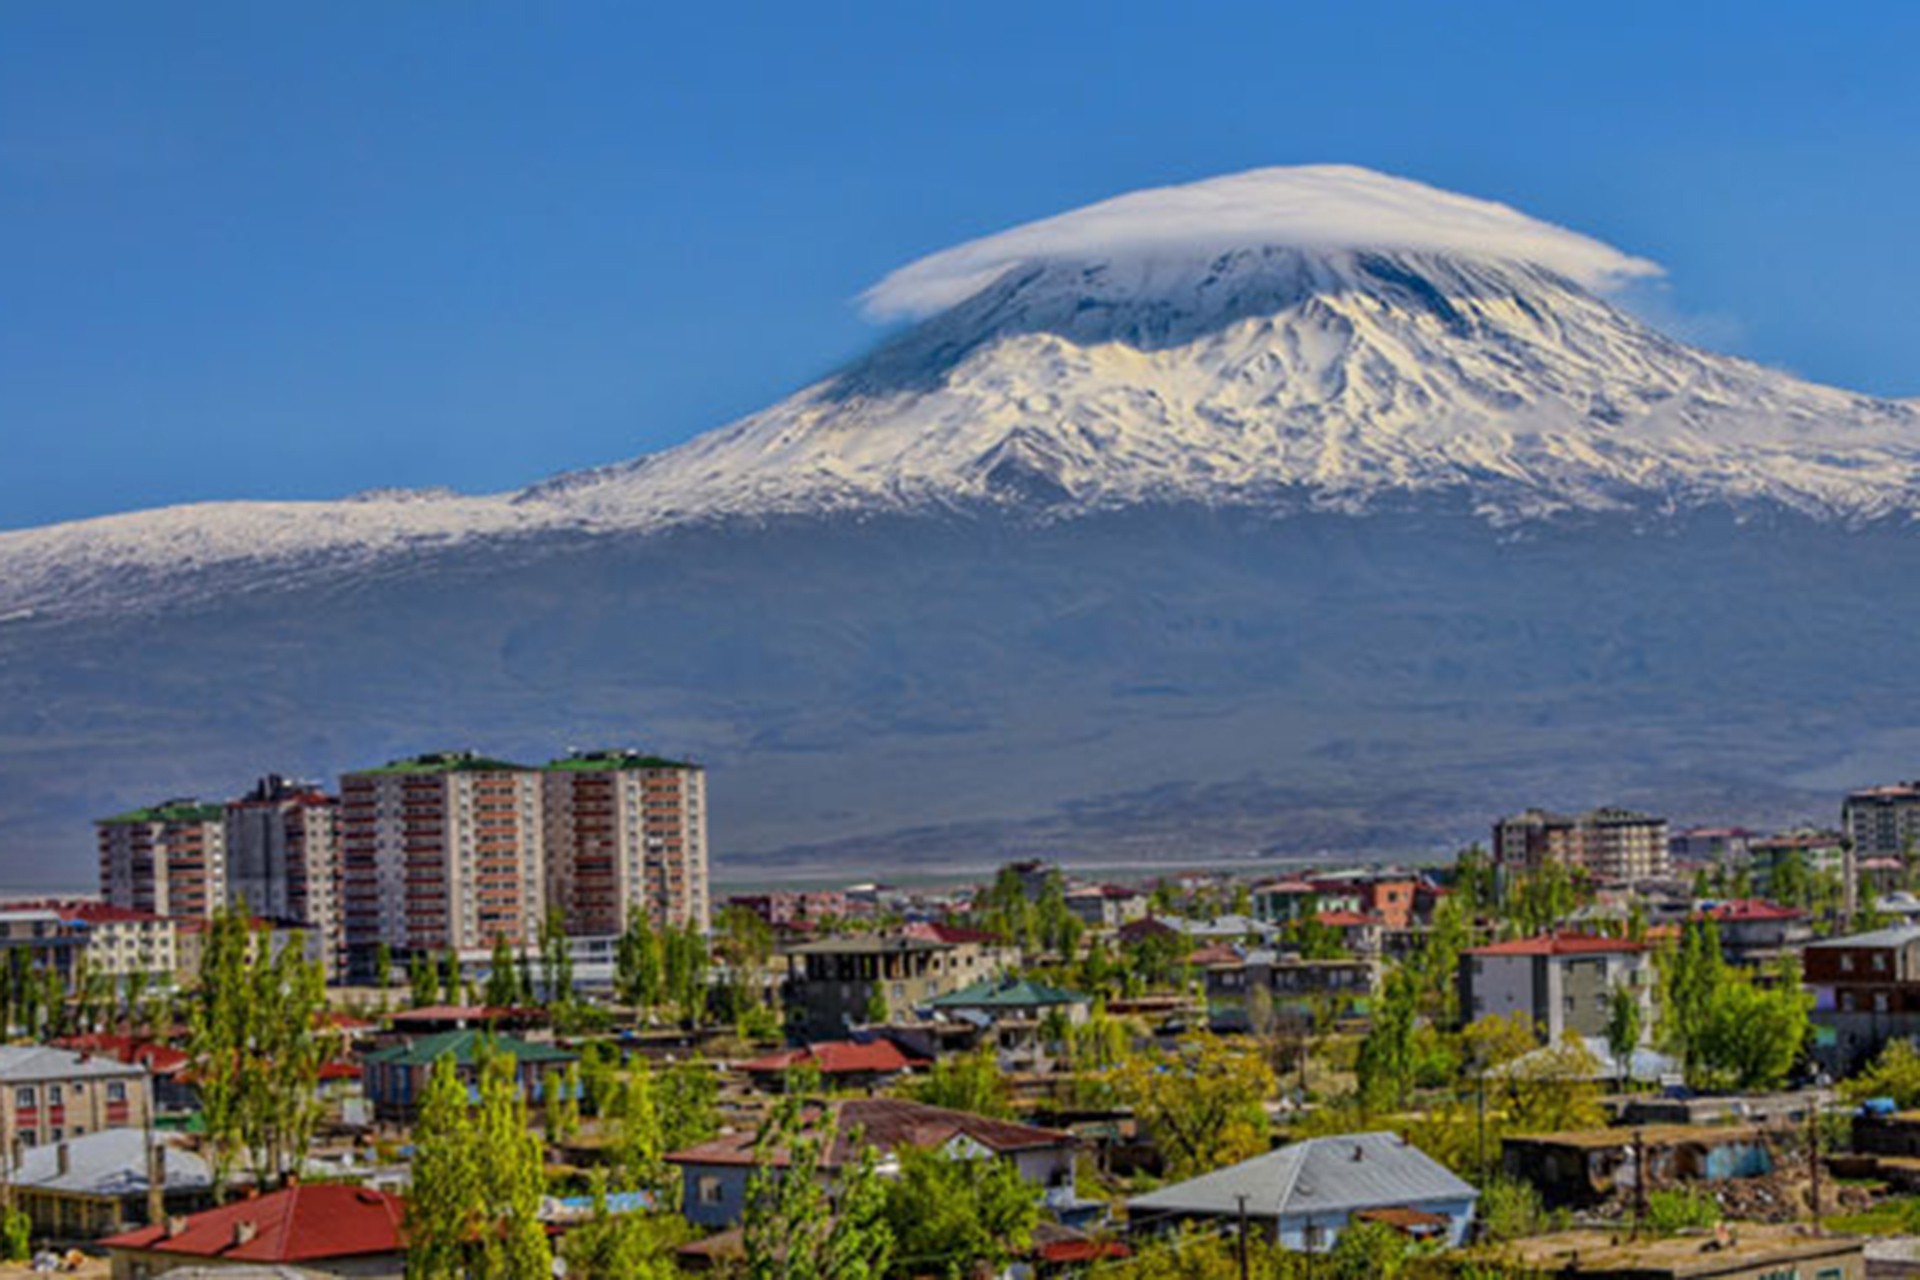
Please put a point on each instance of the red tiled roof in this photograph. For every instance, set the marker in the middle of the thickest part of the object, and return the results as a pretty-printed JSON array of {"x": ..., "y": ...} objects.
[
  {"x": 1752, "y": 909},
  {"x": 1215, "y": 953},
  {"x": 1071, "y": 1251},
  {"x": 933, "y": 931},
  {"x": 160, "y": 1059},
  {"x": 300, "y": 1224},
  {"x": 1557, "y": 944},
  {"x": 1344, "y": 919},
  {"x": 837, "y": 1057},
  {"x": 337, "y": 1069},
  {"x": 889, "y": 1124}
]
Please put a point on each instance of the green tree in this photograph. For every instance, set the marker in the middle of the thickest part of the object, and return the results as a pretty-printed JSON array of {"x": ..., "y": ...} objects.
[
  {"x": 450, "y": 977},
  {"x": 382, "y": 966},
  {"x": 513, "y": 1243},
  {"x": 556, "y": 960},
  {"x": 444, "y": 1200},
  {"x": 629, "y": 1246},
  {"x": 1387, "y": 1061},
  {"x": 1202, "y": 1107},
  {"x": 684, "y": 971},
  {"x": 688, "y": 1097},
  {"x": 966, "y": 1082},
  {"x": 1369, "y": 1251},
  {"x": 1894, "y": 1074},
  {"x": 638, "y": 980},
  {"x": 503, "y": 979},
  {"x": 1623, "y": 1028},
  {"x": 423, "y": 979},
  {"x": 957, "y": 1217},
  {"x": 639, "y": 1147},
  {"x": 797, "y": 1227},
  {"x": 562, "y": 1095},
  {"x": 1689, "y": 977},
  {"x": 1750, "y": 1036}
]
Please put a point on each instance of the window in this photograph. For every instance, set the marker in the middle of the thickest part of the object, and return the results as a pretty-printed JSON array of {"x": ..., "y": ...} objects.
[
  {"x": 116, "y": 1091},
  {"x": 711, "y": 1191},
  {"x": 54, "y": 1097},
  {"x": 24, "y": 1097}
]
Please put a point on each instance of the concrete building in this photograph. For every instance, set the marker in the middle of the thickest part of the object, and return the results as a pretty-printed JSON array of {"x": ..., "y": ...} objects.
[
  {"x": 1558, "y": 982},
  {"x": 1611, "y": 845},
  {"x": 169, "y": 859},
  {"x": 1866, "y": 991},
  {"x": 714, "y": 1174},
  {"x": 1743, "y": 1251},
  {"x": 283, "y": 858},
  {"x": 626, "y": 832},
  {"x": 1882, "y": 822},
  {"x": 440, "y": 852},
  {"x": 837, "y": 983},
  {"x": 52, "y": 1095}
]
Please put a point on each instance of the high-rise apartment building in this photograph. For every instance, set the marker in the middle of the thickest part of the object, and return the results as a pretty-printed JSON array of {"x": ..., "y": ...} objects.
[
  {"x": 626, "y": 832},
  {"x": 1612, "y": 845},
  {"x": 440, "y": 851},
  {"x": 283, "y": 858},
  {"x": 1883, "y": 822},
  {"x": 169, "y": 860}
]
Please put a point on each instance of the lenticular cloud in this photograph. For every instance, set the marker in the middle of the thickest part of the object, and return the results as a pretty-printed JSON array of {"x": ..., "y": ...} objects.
[{"x": 1306, "y": 207}]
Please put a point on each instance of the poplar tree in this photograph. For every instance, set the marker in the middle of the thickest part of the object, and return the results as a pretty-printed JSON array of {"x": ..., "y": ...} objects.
[
  {"x": 798, "y": 1227},
  {"x": 443, "y": 1202}
]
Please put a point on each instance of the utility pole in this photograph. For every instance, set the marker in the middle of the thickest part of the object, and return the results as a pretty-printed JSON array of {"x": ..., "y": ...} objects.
[
  {"x": 1639, "y": 1180},
  {"x": 1243, "y": 1237},
  {"x": 1813, "y": 1162}
]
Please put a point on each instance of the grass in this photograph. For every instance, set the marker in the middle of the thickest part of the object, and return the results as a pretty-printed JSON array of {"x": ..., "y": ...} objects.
[{"x": 1896, "y": 1215}]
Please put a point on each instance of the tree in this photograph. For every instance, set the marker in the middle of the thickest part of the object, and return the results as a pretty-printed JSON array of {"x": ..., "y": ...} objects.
[
  {"x": 795, "y": 1227},
  {"x": 1689, "y": 976},
  {"x": 688, "y": 1099},
  {"x": 423, "y": 977},
  {"x": 256, "y": 1049},
  {"x": 562, "y": 1090},
  {"x": 1368, "y": 1251},
  {"x": 444, "y": 1200},
  {"x": 956, "y": 1216},
  {"x": 556, "y": 960},
  {"x": 450, "y": 976},
  {"x": 639, "y": 1147},
  {"x": 382, "y": 966},
  {"x": 1749, "y": 1036},
  {"x": 1386, "y": 1062},
  {"x": 966, "y": 1082},
  {"x": 637, "y": 976},
  {"x": 629, "y": 1246},
  {"x": 503, "y": 979},
  {"x": 1894, "y": 1074},
  {"x": 683, "y": 956},
  {"x": 1623, "y": 1028},
  {"x": 1203, "y": 1107}
]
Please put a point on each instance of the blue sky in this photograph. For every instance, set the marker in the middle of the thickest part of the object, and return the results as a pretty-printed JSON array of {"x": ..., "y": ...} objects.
[{"x": 295, "y": 251}]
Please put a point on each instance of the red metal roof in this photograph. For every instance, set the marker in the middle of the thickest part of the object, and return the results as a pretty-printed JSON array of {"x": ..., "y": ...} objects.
[
  {"x": 838, "y": 1057},
  {"x": 300, "y": 1224},
  {"x": 1558, "y": 944},
  {"x": 1752, "y": 909},
  {"x": 160, "y": 1059}
]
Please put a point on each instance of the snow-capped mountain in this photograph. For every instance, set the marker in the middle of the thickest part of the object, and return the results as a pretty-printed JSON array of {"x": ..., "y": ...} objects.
[
  {"x": 1181, "y": 523},
  {"x": 1319, "y": 338}
]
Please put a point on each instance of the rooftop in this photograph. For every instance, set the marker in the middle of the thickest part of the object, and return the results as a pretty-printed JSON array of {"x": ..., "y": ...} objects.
[
  {"x": 445, "y": 762},
  {"x": 603, "y": 761},
  {"x": 112, "y": 1162},
  {"x": 176, "y": 811},
  {"x": 465, "y": 1047},
  {"x": 1342, "y": 1173},
  {"x": 1745, "y": 1247},
  {"x": 1893, "y": 936},
  {"x": 28, "y": 1062},
  {"x": 1007, "y": 993},
  {"x": 1558, "y": 944},
  {"x": 837, "y": 1057},
  {"x": 887, "y": 1123},
  {"x": 300, "y": 1224}
]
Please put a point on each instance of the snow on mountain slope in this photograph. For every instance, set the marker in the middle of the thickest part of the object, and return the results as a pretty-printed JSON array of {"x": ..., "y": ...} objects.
[{"x": 1315, "y": 338}]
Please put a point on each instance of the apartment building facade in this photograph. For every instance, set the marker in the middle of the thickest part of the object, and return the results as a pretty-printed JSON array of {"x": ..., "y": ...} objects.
[
  {"x": 1866, "y": 991},
  {"x": 169, "y": 859},
  {"x": 625, "y": 832},
  {"x": 1883, "y": 822},
  {"x": 1559, "y": 983},
  {"x": 439, "y": 852},
  {"x": 837, "y": 983},
  {"x": 54, "y": 1094},
  {"x": 1615, "y": 846},
  {"x": 283, "y": 857}
]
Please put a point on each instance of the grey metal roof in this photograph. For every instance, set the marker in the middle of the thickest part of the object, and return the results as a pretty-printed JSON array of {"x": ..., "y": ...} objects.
[
  {"x": 112, "y": 1162},
  {"x": 24, "y": 1063},
  {"x": 1332, "y": 1175}
]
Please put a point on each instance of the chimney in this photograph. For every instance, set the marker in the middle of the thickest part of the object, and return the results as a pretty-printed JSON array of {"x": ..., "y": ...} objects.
[
  {"x": 63, "y": 1159},
  {"x": 176, "y": 1226},
  {"x": 244, "y": 1232},
  {"x": 156, "y": 1182}
]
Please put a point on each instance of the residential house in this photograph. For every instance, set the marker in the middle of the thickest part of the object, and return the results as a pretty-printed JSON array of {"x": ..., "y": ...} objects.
[
  {"x": 860, "y": 979},
  {"x": 841, "y": 1064},
  {"x": 1302, "y": 1196},
  {"x": 326, "y": 1229},
  {"x": 1866, "y": 989},
  {"x": 1106, "y": 906},
  {"x": 1558, "y": 982},
  {"x": 1294, "y": 986},
  {"x": 714, "y": 1174},
  {"x": 54, "y": 1095},
  {"x": 1756, "y": 932},
  {"x": 1582, "y": 1169},
  {"x": 395, "y": 1077},
  {"x": 87, "y": 1187}
]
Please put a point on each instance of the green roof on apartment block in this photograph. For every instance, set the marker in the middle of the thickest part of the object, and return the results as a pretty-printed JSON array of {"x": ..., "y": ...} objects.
[
  {"x": 465, "y": 1048},
  {"x": 169, "y": 811},
  {"x": 598, "y": 761},
  {"x": 447, "y": 762}
]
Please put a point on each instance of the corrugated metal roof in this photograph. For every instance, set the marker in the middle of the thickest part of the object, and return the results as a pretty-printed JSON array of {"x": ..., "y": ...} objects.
[
  {"x": 112, "y": 1162},
  {"x": 1338, "y": 1174},
  {"x": 24, "y": 1062}
]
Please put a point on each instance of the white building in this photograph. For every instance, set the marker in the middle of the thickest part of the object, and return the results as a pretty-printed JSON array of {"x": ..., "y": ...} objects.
[{"x": 1558, "y": 982}]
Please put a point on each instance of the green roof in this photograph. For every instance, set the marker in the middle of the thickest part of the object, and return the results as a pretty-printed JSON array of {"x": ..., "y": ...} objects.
[
  {"x": 597, "y": 761},
  {"x": 1007, "y": 993},
  {"x": 170, "y": 811},
  {"x": 427, "y": 1050},
  {"x": 447, "y": 762}
]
